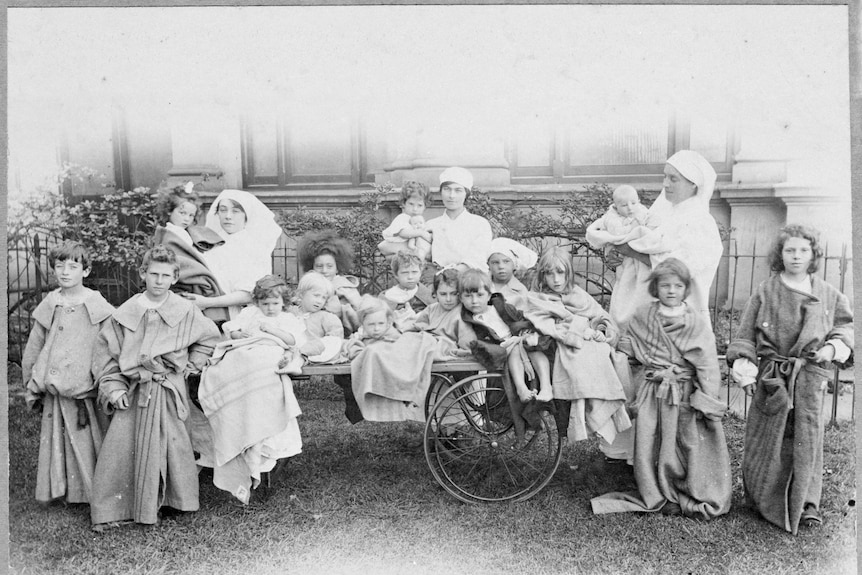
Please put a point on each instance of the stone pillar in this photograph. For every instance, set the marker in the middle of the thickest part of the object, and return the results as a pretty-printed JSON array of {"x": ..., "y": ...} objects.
[{"x": 755, "y": 216}]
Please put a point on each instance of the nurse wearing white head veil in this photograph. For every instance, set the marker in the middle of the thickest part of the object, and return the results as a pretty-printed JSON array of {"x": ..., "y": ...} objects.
[
  {"x": 246, "y": 255},
  {"x": 687, "y": 231}
]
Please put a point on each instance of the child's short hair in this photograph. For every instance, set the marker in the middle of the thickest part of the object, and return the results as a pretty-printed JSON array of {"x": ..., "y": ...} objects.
[
  {"x": 669, "y": 267},
  {"x": 403, "y": 259},
  {"x": 159, "y": 254},
  {"x": 314, "y": 280},
  {"x": 449, "y": 276},
  {"x": 369, "y": 305},
  {"x": 268, "y": 286},
  {"x": 69, "y": 250},
  {"x": 625, "y": 189},
  {"x": 552, "y": 259},
  {"x": 329, "y": 242},
  {"x": 169, "y": 199},
  {"x": 473, "y": 280},
  {"x": 412, "y": 188},
  {"x": 776, "y": 261}
]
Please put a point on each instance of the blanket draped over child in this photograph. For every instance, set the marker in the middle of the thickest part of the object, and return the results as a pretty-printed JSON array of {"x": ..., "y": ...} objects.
[
  {"x": 57, "y": 370},
  {"x": 783, "y": 462},
  {"x": 194, "y": 275},
  {"x": 592, "y": 375},
  {"x": 680, "y": 450},
  {"x": 386, "y": 386},
  {"x": 146, "y": 459},
  {"x": 252, "y": 412}
]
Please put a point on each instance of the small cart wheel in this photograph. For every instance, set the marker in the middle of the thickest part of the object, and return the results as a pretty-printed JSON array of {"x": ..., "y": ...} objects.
[
  {"x": 473, "y": 450},
  {"x": 440, "y": 383}
]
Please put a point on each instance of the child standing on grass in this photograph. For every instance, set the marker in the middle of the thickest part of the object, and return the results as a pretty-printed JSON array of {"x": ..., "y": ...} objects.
[
  {"x": 57, "y": 370},
  {"x": 587, "y": 371},
  {"x": 443, "y": 318},
  {"x": 681, "y": 462},
  {"x": 407, "y": 230},
  {"x": 153, "y": 341},
  {"x": 332, "y": 256},
  {"x": 793, "y": 330},
  {"x": 501, "y": 329},
  {"x": 407, "y": 297}
]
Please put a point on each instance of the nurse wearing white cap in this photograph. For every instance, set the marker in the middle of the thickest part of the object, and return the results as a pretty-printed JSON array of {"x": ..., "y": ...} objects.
[{"x": 459, "y": 238}]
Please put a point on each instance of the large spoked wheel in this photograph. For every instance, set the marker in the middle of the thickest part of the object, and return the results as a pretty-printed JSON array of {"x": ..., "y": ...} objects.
[
  {"x": 473, "y": 451},
  {"x": 440, "y": 384}
]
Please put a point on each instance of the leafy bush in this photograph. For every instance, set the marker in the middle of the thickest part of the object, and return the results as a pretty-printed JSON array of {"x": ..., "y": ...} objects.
[{"x": 360, "y": 224}]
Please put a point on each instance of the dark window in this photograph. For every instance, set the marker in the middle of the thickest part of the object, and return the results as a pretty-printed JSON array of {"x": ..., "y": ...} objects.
[{"x": 317, "y": 150}]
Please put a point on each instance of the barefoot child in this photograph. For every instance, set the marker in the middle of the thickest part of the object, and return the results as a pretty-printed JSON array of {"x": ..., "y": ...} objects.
[
  {"x": 681, "y": 462},
  {"x": 57, "y": 371},
  {"x": 586, "y": 371},
  {"x": 407, "y": 297},
  {"x": 407, "y": 230},
  {"x": 153, "y": 341},
  {"x": 794, "y": 328},
  {"x": 503, "y": 329}
]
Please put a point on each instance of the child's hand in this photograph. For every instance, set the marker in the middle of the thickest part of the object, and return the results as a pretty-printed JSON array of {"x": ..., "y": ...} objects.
[
  {"x": 599, "y": 336},
  {"x": 510, "y": 342},
  {"x": 119, "y": 399},
  {"x": 824, "y": 354},
  {"x": 238, "y": 334}
]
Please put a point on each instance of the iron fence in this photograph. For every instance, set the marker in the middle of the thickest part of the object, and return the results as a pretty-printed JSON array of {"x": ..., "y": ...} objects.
[{"x": 738, "y": 275}]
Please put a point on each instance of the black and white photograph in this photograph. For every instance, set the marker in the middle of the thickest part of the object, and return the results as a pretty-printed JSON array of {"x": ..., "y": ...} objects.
[{"x": 411, "y": 288}]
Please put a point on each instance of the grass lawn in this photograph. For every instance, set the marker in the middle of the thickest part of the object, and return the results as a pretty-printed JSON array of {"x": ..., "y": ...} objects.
[{"x": 360, "y": 499}]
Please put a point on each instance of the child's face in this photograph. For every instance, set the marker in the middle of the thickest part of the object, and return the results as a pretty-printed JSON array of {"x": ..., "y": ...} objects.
[
  {"x": 313, "y": 300},
  {"x": 408, "y": 277},
  {"x": 375, "y": 324},
  {"x": 447, "y": 296},
  {"x": 555, "y": 279},
  {"x": 325, "y": 264},
  {"x": 671, "y": 290},
  {"x": 502, "y": 268},
  {"x": 796, "y": 256},
  {"x": 270, "y": 306},
  {"x": 626, "y": 204},
  {"x": 70, "y": 274},
  {"x": 231, "y": 218},
  {"x": 159, "y": 278},
  {"x": 413, "y": 206},
  {"x": 184, "y": 214},
  {"x": 476, "y": 301},
  {"x": 453, "y": 196}
]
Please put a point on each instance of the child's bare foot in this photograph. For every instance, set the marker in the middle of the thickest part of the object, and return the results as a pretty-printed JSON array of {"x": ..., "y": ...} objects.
[
  {"x": 526, "y": 395},
  {"x": 546, "y": 394}
]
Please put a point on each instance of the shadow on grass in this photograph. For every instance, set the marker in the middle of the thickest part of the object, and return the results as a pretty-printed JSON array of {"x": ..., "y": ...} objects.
[{"x": 360, "y": 499}]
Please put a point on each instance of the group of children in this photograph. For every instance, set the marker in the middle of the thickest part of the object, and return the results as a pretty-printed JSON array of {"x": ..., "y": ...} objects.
[{"x": 112, "y": 383}]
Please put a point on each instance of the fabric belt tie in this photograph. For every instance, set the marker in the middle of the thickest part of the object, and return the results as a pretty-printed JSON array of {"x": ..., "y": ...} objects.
[
  {"x": 668, "y": 380},
  {"x": 155, "y": 372},
  {"x": 788, "y": 368}
]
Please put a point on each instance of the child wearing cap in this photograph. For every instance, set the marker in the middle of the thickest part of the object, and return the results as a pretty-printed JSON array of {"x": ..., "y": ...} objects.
[
  {"x": 507, "y": 256},
  {"x": 458, "y": 238}
]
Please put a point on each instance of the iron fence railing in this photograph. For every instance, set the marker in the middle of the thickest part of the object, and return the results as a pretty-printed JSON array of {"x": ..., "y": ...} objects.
[{"x": 739, "y": 274}]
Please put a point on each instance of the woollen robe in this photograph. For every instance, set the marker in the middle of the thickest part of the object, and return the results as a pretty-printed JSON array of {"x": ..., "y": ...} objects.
[
  {"x": 146, "y": 460},
  {"x": 680, "y": 452},
  {"x": 451, "y": 331},
  {"x": 781, "y": 327},
  {"x": 57, "y": 370}
]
